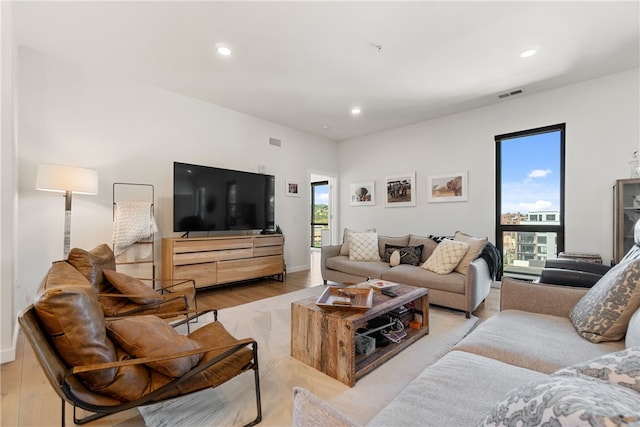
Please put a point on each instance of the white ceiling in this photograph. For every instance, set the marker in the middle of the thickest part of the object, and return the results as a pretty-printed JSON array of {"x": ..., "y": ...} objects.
[{"x": 306, "y": 64}]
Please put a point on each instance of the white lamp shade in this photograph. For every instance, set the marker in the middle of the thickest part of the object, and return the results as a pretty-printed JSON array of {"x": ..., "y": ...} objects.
[{"x": 67, "y": 178}]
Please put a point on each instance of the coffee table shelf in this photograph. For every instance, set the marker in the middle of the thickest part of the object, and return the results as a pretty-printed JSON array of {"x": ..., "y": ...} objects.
[{"x": 324, "y": 338}]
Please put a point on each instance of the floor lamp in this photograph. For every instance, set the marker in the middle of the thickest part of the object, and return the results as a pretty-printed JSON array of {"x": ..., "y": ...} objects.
[{"x": 68, "y": 180}]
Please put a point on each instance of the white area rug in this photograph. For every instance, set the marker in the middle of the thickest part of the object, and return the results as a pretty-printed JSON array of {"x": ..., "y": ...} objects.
[{"x": 268, "y": 321}]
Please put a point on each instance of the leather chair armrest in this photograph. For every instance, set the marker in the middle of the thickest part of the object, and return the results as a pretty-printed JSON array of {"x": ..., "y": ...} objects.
[
  {"x": 580, "y": 279},
  {"x": 576, "y": 265}
]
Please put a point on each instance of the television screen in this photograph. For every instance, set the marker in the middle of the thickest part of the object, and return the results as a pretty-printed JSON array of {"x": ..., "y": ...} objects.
[{"x": 209, "y": 199}]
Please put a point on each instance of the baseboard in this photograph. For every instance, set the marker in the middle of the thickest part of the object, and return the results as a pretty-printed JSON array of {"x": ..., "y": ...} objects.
[
  {"x": 297, "y": 268},
  {"x": 9, "y": 354}
]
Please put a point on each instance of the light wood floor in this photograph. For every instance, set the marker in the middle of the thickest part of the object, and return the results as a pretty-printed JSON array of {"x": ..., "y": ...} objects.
[{"x": 29, "y": 400}]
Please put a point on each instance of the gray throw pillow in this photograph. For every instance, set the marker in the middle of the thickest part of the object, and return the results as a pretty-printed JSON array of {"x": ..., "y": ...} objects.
[
  {"x": 408, "y": 254},
  {"x": 603, "y": 313}
]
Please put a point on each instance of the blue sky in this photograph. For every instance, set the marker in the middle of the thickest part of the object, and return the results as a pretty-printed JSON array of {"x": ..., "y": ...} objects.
[
  {"x": 531, "y": 173},
  {"x": 322, "y": 195}
]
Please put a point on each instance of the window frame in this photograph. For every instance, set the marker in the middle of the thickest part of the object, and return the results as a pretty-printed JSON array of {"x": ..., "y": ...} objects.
[{"x": 541, "y": 228}]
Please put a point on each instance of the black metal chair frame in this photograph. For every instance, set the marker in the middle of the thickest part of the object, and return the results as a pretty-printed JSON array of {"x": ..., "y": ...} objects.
[{"x": 60, "y": 376}]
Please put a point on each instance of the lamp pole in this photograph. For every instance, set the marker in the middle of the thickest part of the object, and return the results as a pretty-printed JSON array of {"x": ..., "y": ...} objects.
[{"x": 67, "y": 223}]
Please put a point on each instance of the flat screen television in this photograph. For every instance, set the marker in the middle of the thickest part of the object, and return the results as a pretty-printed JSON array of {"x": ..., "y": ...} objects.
[{"x": 214, "y": 199}]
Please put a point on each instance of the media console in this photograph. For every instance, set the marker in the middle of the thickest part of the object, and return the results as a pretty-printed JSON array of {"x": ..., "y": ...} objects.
[{"x": 212, "y": 261}]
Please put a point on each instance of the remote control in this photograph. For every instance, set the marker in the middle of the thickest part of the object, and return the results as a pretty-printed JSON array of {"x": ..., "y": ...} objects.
[{"x": 388, "y": 293}]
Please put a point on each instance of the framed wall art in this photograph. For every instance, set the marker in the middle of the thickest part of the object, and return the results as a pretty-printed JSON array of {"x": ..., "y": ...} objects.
[
  {"x": 451, "y": 187},
  {"x": 362, "y": 194},
  {"x": 292, "y": 189},
  {"x": 401, "y": 190}
]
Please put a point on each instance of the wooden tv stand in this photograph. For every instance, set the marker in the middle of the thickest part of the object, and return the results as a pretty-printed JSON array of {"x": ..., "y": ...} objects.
[{"x": 212, "y": 261}]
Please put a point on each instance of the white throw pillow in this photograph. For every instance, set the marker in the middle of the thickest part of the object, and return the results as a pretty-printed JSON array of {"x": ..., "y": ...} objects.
[
  {"x": 446, "y": 256},
  {"x": 363, "y": 247},
  {"x": 344, "y": 250}
]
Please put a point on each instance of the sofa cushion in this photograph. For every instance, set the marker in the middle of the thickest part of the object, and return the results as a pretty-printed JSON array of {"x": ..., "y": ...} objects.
[
  {"x": 566, "y": 401},
  {"x": 532, "y": 340},
  {"x": 92, "y": 263},
  {"x": 428, "y": 245},
  {"x": 408, "y": 254},
  {"x": 476, "y": 245},
  {"x": 457, "y": 390},
  {"x": 344, "y": 249},
  {"x": 388, "y": 240},
  {"x": 149, "y": 336},
  {"x": 603, "y": 313},
  {"x": 363, "y": 247},
  {"x": 632, "y": 339},
  {"x": 73, "y": 319},
  {"x": 132, "y": 286},
  {"x": 453, "y": 283},
  {"x": 621, "y": 368},
  {"x": 446, "y": 256},
  {"x": 372, "y": 269}
]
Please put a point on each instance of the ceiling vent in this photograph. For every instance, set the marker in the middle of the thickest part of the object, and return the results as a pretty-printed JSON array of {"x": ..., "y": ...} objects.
[
  {"x": 512, "y": 93},
  {"x": 274, "y": 141}
]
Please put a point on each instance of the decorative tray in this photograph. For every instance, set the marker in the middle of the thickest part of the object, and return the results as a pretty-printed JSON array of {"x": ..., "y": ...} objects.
[{"x": 351, "y": 298}]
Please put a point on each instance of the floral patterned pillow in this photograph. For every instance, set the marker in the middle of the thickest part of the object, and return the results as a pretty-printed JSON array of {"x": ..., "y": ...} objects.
[
  {"x": 603, "y": 313},
  {"x": 621, "y": 368},
  {"x": 567, "y": 401}
]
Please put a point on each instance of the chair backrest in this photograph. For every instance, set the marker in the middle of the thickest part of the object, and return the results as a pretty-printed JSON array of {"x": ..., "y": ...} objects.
[{"x": 53, "y": 367}]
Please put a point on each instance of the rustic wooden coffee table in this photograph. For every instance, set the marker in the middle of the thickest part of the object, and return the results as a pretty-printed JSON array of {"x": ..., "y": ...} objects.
[{"x": 324, "y": 338}]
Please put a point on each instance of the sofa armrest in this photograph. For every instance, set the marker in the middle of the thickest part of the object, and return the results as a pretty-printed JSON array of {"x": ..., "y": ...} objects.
[
  {"x": 540, "y": 298},
  {"x": 327, "y": 252},
  {"x": 478, "y": 283}
]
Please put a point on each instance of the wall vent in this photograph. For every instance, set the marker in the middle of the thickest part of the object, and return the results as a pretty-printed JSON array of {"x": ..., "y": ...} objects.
[
  {"x": 511, "y": 93},
  {"x": 275, "y": 142}
]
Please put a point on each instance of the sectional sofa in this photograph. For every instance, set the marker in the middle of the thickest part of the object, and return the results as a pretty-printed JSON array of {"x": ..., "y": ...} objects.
[
  {"x": 464, "y": 288},
  {"x": 557, "y": 354}
]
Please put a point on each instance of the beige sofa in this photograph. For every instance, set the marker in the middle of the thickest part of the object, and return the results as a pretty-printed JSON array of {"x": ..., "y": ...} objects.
[
  {"x": 460, "y": 291},
  {"x": 523, "y": 350}
]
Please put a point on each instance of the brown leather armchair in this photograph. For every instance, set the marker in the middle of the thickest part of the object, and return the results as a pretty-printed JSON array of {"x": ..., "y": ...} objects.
[
  {"x": 121, "y": 295},
  {"x": 107, "y": 366}
]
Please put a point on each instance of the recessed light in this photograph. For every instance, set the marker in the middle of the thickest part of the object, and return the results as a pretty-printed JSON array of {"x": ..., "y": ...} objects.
[
  {"x": 529, "y": 52},
  {"x": 223, "y": 49},
  {"x": 356, "y": 110},
  {"x": 325, "y": 126}
]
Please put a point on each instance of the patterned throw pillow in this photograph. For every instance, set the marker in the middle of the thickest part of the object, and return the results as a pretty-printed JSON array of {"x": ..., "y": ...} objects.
[
  {"x": 566, "y": 401},
  {"x": 621, "y": 368},
  {"x": 438, "y": 238},
  {"x": 603, "y": 313},
  {"x": 408, "y": 254},
  {"x": 344, "y": 249},
  {"x": 446, "y": 256},
  {"x": 363, "y": 247}
]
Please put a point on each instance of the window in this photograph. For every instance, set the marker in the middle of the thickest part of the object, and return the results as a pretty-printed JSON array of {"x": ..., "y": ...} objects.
[
  {"x": 319, "y": 211},
  {"x": 530, "y": 198}
]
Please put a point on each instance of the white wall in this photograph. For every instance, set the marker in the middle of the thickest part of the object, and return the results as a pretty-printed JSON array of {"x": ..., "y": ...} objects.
[
  {"x": 132, "y": 132},
  {"x": 7, "y": 184},
  {"x": 602, "y": 118}
]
